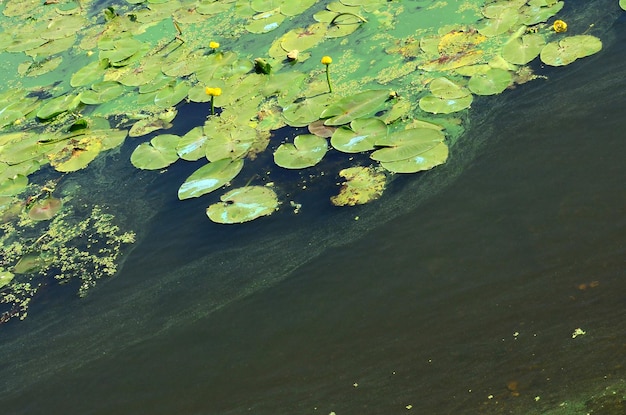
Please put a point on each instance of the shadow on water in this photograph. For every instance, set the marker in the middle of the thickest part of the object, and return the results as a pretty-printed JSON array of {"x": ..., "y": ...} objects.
[{"x": 458, "y": 293}]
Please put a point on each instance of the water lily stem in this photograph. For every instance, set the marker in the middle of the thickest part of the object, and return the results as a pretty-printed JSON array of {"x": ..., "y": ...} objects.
[
  {"x": 330, "y": 88},
  {"x": 362, "y": 19},
  {"x": 212, "y": 105}
]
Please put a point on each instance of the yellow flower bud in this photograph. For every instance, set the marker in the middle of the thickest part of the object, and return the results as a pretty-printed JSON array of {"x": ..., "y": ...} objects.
[
  {"x": 559, "y": 26},
  {"x": 327, "y": 60},
  {"x": 214, "y": 45},
  {"x": 214, "y": 92}
]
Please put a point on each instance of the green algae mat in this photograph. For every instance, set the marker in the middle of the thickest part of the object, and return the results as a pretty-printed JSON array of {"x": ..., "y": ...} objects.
[{"x": 385, "y": 86}]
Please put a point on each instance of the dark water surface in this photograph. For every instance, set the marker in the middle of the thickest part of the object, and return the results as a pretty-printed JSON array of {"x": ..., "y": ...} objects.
[{"x": 459, "y": 301}]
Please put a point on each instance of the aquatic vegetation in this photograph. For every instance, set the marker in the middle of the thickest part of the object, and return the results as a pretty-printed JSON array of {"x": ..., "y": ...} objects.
[
  {"x": 243, "y": 205},
  {"x": 559, "y": 26},
  {"x": 326, "y": 61},
  {"x": 47, "y": 241},
  {"x": 213, "y": 92},
  {"x": 80, "y": 79}
]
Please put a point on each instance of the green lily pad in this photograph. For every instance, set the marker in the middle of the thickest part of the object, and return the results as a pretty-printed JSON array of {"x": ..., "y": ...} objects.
[
  {"x": 362, "y": 185},
  {"x": 436, "y": 105},
  {"x": 569, "y": 49},
  {"x": 499, "y": 23},
  {"x": 45, "y": 209},
  {"x": 76, "y": 155},
  {"x": 363, "y": 104},
  {"x": 102, "y": 92},
  {"x": 152, "y": 123},
  {"x": 302, "y": 112},
  {"x": 63, "y": 26},
  {"x": 191, "y": 145},
  {"x": 360, "y": 136},
  {"x": 260, "y": 6},
  {"x": 13, "y": 185},
  {"x": 265, "y": 22},
  {"x": 424, "y": 161},
  {"x": 307, "y": 150},
  {"x": 5, "y": 278},
  {"x": 58, "y": 105},
  {"x": 406, "y": 144},
  {"x": 622, "y": 4},
  {"x": 209, "y": 178},
  {"x": 172, "y": 95},
  {"x": 521, "y": 50},
  {"x": 117, "y": 51},
  {"x": 295, "y": 8},
  {"x": 444, "y": 88},
  {"x": 243, "y": 205},
  {"x": 89, "y": 73},
  {"x": 233, "y": 142},
  {"x": 302, "y": 39},
  {"x": 159, "y": 153},
  {"x": 535, "y": 12},
  {"x": 494, "y": 81}
]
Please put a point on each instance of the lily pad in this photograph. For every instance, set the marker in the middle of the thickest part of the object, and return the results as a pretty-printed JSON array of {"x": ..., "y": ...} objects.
[
  {"x": 362, "y": 185},
  {"x": 359, "y": 105},
  {"x": 243, "y": 205},
  {"x": 499, "y": 23},
  {"x": 76, "y": 155},
  {"x": 13, "y": 185},
  {"x": 302, "y": 112},
  {"x": 45, "y": 209},
  {"x": 524, "y": 49},
  {"x": 569, "y": 49},
  {"x": 307, "y": 150},
  {"x": 493, "y": 81},
  {"x": 58, "y": 105},
  {"x": 444, "y": 88},
  {"x": 423, "y": 161},
  {"x": 534, "y": 12},
  {"x": 209, "y": 178},
  {"x": 152, "y": 123},
  {"x": 407, "y": 144},
  {"x": 159, "y": 153},
  {"x": 102, "y": 92},
  {"x": 232, "y": 142},
  {"x": 191, "y": 145},
  {"x": 265, "y": 22},
  {"x": 437, "y": 105},
  {"x": 360, "y": 136}
]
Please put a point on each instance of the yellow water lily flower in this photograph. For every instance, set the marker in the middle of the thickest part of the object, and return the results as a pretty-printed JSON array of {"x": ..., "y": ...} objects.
[
  {"x": 214, "y": 45},
  {"x": 214, "y": 92},
  {"x": 559, "y": 26},
  {"x": 327, "y": 60}
]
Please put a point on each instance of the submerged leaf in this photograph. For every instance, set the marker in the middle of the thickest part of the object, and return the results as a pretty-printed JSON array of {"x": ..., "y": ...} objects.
[{"x": 45, "y": 209}]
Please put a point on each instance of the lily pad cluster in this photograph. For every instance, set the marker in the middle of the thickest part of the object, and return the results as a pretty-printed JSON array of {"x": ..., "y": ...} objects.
[{"x": 80, "y": 79}]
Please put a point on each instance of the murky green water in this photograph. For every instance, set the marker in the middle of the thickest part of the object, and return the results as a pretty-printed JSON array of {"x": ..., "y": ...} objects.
[{"x": 457, "y": 294}]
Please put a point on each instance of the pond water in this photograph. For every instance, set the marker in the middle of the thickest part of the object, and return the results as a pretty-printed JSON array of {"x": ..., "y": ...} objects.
[{"x": 460, "y": 291}]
